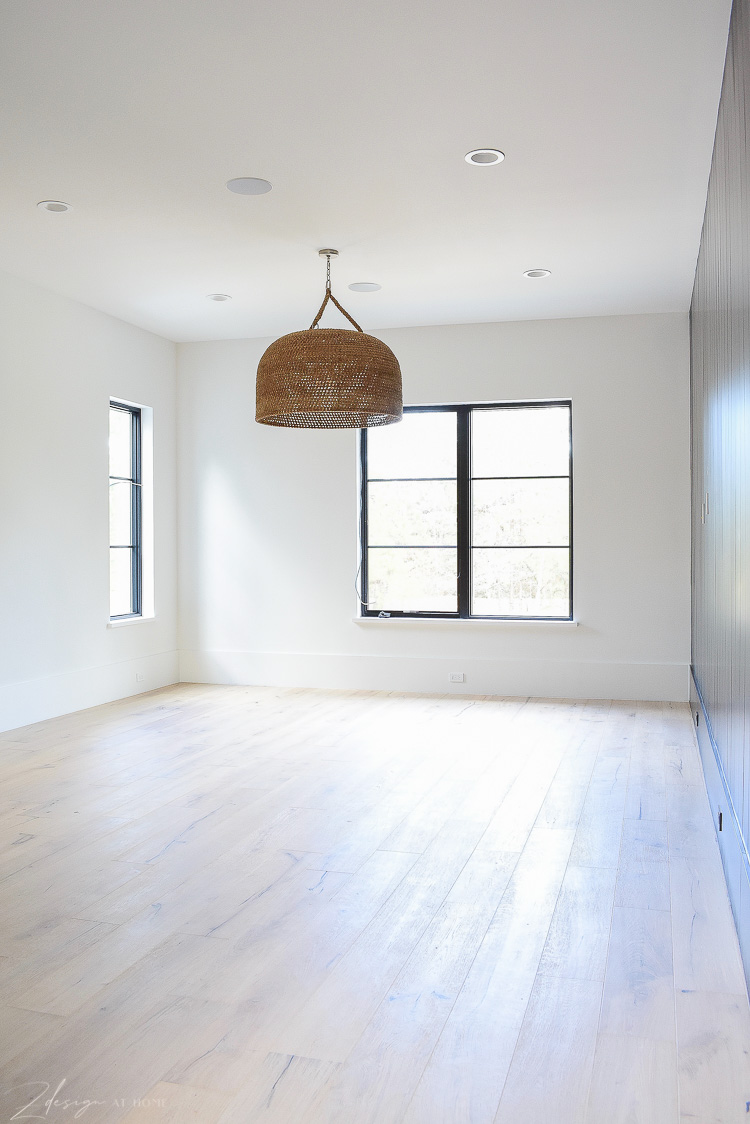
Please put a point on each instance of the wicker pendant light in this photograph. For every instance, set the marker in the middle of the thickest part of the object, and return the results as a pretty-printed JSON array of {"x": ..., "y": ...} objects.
[{"x": 328, "y": 378}]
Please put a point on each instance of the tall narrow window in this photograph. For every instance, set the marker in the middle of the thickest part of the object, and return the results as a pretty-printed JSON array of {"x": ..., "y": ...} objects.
[
  {"x": 125, "y": 511},
  {"x": 466, "y": 511}
]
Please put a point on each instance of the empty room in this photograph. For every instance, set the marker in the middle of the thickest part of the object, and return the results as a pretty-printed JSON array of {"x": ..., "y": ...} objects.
[{"x": 374, "y": 562}]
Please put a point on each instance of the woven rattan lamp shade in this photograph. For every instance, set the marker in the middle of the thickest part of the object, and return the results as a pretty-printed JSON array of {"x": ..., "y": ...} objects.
[{"x": 328, "y": 378}]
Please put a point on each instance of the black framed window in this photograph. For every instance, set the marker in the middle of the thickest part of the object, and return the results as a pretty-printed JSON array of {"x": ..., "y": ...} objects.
[
  {"x": 467, "y": 511},
  {"x": 125, "y": 518}
]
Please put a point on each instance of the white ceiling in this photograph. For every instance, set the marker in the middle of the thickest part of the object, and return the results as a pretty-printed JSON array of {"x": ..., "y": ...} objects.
[{"x": 137, "y": 112}]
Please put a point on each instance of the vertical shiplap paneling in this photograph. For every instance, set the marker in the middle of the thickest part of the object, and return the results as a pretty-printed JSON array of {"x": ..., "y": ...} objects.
[{"x": 720, "y": 349}]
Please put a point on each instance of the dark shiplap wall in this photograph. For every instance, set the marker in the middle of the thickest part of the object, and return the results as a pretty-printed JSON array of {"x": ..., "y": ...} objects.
[{"x": 720, "y": 343}]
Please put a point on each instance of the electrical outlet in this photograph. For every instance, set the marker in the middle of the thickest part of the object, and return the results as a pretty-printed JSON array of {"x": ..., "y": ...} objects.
[
  {"x": 456, "y": 677},
  {"x": 139, "y": 677}
]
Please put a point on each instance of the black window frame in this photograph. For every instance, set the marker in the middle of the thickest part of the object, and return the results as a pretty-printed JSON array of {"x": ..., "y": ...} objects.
[
  {"x": 464, "y": 543},
  {"x": 136, "y": 509}
]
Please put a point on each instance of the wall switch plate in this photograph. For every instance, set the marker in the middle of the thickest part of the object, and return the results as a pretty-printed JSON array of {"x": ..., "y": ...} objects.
[
  {"x": 139, "y": 677},
  {"x": 456, "y": 677}
]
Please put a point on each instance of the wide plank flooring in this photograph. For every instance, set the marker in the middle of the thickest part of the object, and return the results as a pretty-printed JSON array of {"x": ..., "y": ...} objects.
[{"x": 232, "y": 905}]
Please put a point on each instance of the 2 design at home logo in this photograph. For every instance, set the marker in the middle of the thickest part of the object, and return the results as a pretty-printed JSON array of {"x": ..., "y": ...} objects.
[{"x": 39, "y": 1102}]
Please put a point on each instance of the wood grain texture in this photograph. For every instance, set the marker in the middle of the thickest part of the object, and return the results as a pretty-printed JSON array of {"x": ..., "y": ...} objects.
[
  {"x": 246, "y": 905},
  {"x": 639, "y": 985},
  {"x": 578, "y": 938},
  {"x": 699, "y": 908},
  {"x": 634, "y": 1081},
  {"x": 553, "y": 1084},
  {"x": 713, "y": 1038}
]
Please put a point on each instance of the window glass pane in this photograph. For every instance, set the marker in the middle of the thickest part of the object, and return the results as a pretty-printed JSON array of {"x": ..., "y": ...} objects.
[
  {"x": 521, "y": 442},
  {"x": 120, "y": 437},
  {"x": 422, "y": 512},
  {"x": 520, "y": 512},
  {"x": 422, "y": 444},
  {"x": 520, "y": 583},
  {"x": 412, "y": 580},
  {"x": 120, "y": 589},
  {"x": 120, "y": 525}
]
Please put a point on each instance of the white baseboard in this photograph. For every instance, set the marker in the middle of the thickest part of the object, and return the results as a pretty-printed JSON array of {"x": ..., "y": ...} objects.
[
  {"x": 536, "y": 678},
  {"x": 37, "y": 699}
]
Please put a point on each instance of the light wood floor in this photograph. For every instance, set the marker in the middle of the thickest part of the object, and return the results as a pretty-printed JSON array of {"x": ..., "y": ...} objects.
[{"x": 242, "y": 904}]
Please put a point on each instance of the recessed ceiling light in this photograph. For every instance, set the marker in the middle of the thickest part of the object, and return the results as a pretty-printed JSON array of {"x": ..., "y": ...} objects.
[
  {"x": 53, "y": 205},
  {"x": 248, "y": 185},
  {"x": 218, "y": 296},
  {"x": 537, "y": 273},
  {"x": 484, "y": 156},
  {"x": 365, "y": 287}
]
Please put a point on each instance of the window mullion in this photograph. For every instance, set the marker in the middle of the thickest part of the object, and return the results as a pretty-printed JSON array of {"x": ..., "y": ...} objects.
[
  {"x": 363, "y": 594},
  {"x": 136, "y": 509},
  {"x": 463, "y": 483},
  {"x": 135, "y": 557}
]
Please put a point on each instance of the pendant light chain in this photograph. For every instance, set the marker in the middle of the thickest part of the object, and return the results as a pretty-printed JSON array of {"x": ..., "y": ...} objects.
[{"x": 330, "y": 297}]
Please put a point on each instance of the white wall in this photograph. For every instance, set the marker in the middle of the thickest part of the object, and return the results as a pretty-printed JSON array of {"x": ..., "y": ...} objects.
[
  {"x": 268, "y": 520},
  {"x": 59, "y": 363}
]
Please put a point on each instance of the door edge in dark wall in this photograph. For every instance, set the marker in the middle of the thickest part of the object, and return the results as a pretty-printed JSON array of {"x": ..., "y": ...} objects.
[
  {"x": 720, "y": 467},
  {"x": 734, "y": 855}
]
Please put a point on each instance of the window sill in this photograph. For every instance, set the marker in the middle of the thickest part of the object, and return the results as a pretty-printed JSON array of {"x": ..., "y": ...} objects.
[
  {"x": 463, "y": 622},
  {"x": 123, "y": 621}
]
